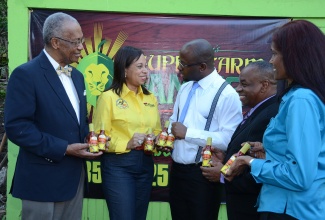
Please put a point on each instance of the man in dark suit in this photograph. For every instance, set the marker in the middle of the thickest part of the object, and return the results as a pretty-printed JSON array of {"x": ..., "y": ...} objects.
[
  {"x": 45, "y": 115},
  {"x": 257, "y": 90}
]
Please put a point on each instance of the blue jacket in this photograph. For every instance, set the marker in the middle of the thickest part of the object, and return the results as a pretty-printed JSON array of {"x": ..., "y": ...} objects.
[
  {"x": 40, "y": 119},
  {"x": 293, "y": 174}
]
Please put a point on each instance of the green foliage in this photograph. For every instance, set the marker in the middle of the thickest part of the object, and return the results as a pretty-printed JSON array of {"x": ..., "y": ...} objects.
[{"x": 3, "y": 33}]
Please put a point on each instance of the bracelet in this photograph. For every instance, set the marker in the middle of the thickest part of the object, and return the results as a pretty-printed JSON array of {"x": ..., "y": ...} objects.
[{"x": 251, "y": 161}]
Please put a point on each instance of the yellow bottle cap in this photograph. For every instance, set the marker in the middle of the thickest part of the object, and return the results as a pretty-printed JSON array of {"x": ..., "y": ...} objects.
[
  {"x": 245, "y": 148},
  {"x": 91, "y": 127},
  {"x": 209, "y": 141},
  {"x": 102, "y": 127}
]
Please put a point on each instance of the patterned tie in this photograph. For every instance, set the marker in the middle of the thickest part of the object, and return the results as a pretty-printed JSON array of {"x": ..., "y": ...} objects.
[
  {"x": 246, "y": 115},
  {"x": 65, "y": 70},
  {"x": 185, "y": 108}
]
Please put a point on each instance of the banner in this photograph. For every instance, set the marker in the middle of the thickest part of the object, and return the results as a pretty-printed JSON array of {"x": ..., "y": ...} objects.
[{"x": 236, "y": 42}]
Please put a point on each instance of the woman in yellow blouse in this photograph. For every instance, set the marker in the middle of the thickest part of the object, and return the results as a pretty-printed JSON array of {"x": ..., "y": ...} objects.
[{"x": 127, "y": 111}]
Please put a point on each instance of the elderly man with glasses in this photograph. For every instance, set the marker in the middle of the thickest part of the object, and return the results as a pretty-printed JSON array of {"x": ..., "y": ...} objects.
[{"x": 45, "y": 116}]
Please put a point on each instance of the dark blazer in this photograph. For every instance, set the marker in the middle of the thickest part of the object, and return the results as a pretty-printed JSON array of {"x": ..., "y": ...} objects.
[
  {"x": 242, "y": 192},
  {"x": 40, "y": 119}
]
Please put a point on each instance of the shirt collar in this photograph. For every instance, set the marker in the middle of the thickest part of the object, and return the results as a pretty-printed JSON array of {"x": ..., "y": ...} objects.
[
  {"x": 209, "y": 79},
  {"x": 256, "y": 106},
  {"x": 52, "y": 61},
  {"x": 126, "y": 91}
]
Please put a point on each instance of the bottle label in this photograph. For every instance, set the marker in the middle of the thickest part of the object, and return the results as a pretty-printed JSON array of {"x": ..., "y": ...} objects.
[
  {"x": 93, "y": 141},
  {"x": 207, "y": 154},
  {"x": 226, "y": 167},
  {"x": 206, "y": 158},
  {"x": 102, "y": 138},
  {"x": 170, "y": 141},
  {"x": 149, "y": 145},
  {"x": 101, "y": 142},
  {"x": 93, "y": 148},
  {"x": 162, "y": 139}
]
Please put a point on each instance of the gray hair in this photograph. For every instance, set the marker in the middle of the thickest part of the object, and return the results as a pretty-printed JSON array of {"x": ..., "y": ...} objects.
[
  {"x": 264, "y": 69},
  {"x": 53, "y": 25}
]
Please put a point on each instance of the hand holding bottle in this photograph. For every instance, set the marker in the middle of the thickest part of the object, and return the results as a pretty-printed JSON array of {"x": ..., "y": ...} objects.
[
  {"x": 237, "y": 167},
  {"x": 165, "y": 140},
  {"x": 257, "y": 150},
  {"x": 149, "y": 144},
  {"x": 206, "y": 153},
  {"x": 103, "y": 139},
  {"x": 92, "y": 140},
  {"x": 81, "y": 150},
  {"x": 241, "y": 152},
  {"x": 136, "y": 142},
  {"x": 212, "y": 173}
]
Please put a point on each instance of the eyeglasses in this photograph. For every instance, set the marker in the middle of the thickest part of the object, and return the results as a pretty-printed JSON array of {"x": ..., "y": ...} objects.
[
  {"x": 187, "y": 65},
  {"x": 74, "y": 43}
]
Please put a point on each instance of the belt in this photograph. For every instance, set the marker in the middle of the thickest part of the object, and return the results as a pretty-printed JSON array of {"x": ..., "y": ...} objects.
[
  {"x": 187, "y": 165},
  {"x": 139, "y": 148}
]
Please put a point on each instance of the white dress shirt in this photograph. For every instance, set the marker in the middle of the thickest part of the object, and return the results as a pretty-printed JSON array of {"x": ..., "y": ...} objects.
[
  {"x": 68, "y": 86},
  {"x": 227, "y": 116}
]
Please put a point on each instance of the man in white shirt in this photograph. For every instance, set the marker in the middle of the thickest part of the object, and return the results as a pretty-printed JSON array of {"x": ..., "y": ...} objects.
[{"x": 192, "y": 196}]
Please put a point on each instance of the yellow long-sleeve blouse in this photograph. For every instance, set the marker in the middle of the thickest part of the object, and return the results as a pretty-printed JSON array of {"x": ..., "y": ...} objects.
[{"x": 124, "y": 115}]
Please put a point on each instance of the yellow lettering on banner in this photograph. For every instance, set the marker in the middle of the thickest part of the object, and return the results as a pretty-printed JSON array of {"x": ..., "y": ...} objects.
[
  {"x": 88, "y": 163},
  {"x": 93, "y": 172},
  {"x": 167, "y": 60},
  {"x": 158, "y": 63},
  {"x": 228, "y": 65},
  {"x": 161, "y": 175},
  {"x": 232, "y": 65}
]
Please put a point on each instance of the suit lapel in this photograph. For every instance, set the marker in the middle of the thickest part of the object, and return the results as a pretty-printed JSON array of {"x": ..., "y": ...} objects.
[
  {"x": 78, "y": 83},
  {"x": 53, "y": 79},
  {"x": 242, "y": 127}
]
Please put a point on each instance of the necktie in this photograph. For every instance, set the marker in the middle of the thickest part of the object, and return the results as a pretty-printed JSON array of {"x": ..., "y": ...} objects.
[
  {"x": 65, "y": 70},
  {"x": 245, "y": 117},
  {"x": 187, "y": 103}
]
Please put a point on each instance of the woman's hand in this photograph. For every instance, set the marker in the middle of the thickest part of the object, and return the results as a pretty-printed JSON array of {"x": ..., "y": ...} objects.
[
  {"x": 237, "y": 167},
  {"x": 136, "y": 141},
  {"x": 257, "y": 150},
  {"x": 108, "y": 139}
]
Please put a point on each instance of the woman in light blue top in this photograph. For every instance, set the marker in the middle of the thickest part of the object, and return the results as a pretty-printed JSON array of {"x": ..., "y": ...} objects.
[{"x": 293, "y": 172}]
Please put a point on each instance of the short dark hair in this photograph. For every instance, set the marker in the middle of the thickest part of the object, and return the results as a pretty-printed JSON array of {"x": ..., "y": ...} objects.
[
  {"x": 201, "y": 50},
  {"x": 124, "y": 57},
  {"x": 302, "y": 45},
  {"x": 264, "y": 68}
]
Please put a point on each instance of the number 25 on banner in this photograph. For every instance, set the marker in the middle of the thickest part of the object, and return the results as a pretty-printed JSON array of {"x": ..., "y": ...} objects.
[
  {"x": 161, "y": 175},
  {"x": 93, "y": 170}
]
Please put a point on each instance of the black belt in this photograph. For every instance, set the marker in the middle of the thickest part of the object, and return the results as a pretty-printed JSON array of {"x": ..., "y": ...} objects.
[{"x": 187, "y": 165}]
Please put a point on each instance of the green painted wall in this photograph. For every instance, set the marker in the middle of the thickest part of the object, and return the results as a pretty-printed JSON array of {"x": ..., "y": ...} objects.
[{"x": 18, "y": 16}]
